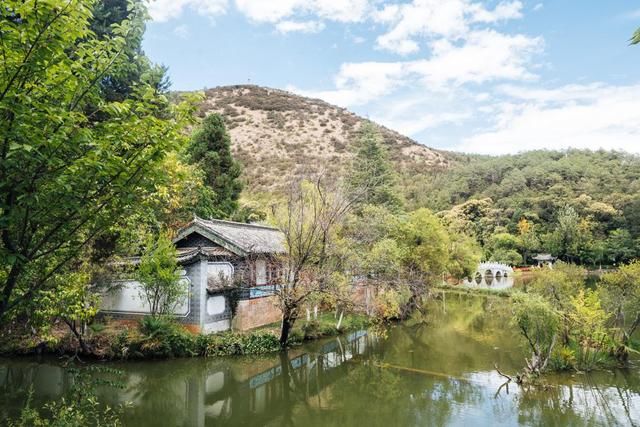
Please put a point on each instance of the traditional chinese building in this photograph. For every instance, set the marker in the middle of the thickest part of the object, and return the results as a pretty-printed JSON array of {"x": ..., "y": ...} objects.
[
  {"x": 231, "y": 271},
  {"x": 544, "y": 259}
]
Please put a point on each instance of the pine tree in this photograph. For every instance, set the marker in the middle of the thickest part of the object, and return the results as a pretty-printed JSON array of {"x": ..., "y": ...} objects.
[
  {"x": 371, "y": 179},
  {"x": 211, "y": 149}
]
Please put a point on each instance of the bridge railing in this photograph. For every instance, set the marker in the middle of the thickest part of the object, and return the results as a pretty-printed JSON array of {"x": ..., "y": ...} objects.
[{"x": 493, "y": 266}]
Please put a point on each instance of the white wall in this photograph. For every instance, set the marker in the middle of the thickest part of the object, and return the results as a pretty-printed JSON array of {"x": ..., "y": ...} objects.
[
  {"x": 216, "y": 305},
  {"x": 218, "y": 326},
  {"x": 126, "y": 299}
]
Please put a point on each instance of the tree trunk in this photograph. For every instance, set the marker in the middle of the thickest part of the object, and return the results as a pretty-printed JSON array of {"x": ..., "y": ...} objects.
[
  {"x": 83, "y": 345},
  {"x": 288, "y": 319},
  {"x": 10, "y": 283},
  {"x": 285, "y": 377}
]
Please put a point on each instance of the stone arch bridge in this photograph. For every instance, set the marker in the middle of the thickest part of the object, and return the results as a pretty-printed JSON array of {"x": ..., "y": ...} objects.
[{"x": 495, "y": 270}]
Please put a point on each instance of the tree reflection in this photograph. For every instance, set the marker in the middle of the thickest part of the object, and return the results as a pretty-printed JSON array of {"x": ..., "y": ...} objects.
[{"x": 436, "y": 369}]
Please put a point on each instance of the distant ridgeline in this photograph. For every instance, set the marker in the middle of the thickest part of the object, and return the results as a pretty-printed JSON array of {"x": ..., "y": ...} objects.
[{"x": 276, "y": 135}]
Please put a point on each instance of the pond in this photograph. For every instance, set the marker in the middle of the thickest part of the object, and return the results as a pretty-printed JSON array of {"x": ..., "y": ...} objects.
[
  {"x": 435, "y": 369},
  {"x": 491, "y": 282}
]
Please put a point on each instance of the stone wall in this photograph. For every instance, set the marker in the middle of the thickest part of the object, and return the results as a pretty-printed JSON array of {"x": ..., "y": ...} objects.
[{"x": 252, "y": 313}]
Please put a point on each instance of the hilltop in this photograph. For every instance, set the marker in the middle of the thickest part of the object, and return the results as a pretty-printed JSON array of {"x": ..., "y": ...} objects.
[{"x": 277, "y": 134}]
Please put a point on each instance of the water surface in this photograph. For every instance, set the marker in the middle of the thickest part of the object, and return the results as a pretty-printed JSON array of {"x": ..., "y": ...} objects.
[{"x": 436, "y": 369}]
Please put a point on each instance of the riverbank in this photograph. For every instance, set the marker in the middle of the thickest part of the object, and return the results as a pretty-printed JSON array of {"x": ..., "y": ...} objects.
[
  {"x": 160, "y": 338},
  {"x": 437, "y": 368},
  {"x": 465, "y": 290}
]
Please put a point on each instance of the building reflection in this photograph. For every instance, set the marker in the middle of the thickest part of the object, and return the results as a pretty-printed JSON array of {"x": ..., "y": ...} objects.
[{"x": 261, "y": 396}]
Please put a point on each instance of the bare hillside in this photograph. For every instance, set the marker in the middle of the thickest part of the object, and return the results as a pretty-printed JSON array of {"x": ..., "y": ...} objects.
[{"x": 276, "y": 134}]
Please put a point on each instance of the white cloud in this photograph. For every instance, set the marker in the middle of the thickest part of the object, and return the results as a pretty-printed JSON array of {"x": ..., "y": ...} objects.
[
  {"x": 165, "y": 10},
  {"x": 341, "y": 10},
  {"x": 299, "y": 26},
  {"x": 502, "y": 12},
  {"x": 275, "y": 10},
  {"x": 435, "y": 19},
  {"x": 420, "y": 18},
  {"x": 182, "y": 31},
  {"x": 487, "y": 56},
  {"x": 417, "y": 121},
  {"x": 590, "y": 116},
  {"x": 415, "y": 125},
  {"x": 360, "y": 83},
  {"x": 538, "y": 7},
  {"x": 267, "y": 11}
]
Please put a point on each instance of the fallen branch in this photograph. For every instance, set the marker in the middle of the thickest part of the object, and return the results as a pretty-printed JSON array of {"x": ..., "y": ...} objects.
[
  {"x": 505, "y": 384},
  {"x": 509, "y": 379}
]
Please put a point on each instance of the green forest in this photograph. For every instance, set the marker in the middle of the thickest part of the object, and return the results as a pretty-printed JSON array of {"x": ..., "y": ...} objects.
[{"x": 581, "y": 206}]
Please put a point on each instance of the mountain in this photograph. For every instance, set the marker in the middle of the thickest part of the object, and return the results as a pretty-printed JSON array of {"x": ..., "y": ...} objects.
[{"x": 277, "y": 135}]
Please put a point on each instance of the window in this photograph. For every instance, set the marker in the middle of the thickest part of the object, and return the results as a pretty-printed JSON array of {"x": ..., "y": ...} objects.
[
  {"x": 265, "y": 284},
  {"x": 261, "y": 272},
  {"x": 274, "y": 273},
  {"x": 219, "y": 275}
]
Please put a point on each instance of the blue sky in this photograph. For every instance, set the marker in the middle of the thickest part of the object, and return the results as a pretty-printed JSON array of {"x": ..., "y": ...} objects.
[{"x": 477, "y": 76}]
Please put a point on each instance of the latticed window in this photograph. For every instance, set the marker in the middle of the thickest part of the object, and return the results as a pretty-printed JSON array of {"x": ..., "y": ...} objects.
[{"x": 274, "y": 273}]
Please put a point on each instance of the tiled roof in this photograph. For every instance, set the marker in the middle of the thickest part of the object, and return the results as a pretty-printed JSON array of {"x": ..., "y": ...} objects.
[
  {"x": 184, "y": 255},
  {"x": 238, "y": 237},
  {"x": 544, "y": 257},
  {"x": 187, "y": 254}
]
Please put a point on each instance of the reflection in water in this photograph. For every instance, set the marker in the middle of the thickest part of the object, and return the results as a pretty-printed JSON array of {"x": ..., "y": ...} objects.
[
  {"x": 489, "y": 281},
  {"x": 436, "y": 369}
]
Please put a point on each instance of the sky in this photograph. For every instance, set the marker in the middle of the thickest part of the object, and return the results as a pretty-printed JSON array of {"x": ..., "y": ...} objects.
[{"x": 490, "y": 77}]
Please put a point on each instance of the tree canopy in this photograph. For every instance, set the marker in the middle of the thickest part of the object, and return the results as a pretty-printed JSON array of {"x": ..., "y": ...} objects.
[
  {"x": 210, "y": 149},
  {"x": 371, "y": 175},
  {"x": 576, "y": 204},
  {"x": 73, "y": 162}
]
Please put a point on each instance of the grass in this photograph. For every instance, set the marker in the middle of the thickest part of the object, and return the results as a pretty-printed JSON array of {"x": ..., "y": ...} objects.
[
  {"x": 323, "y": 326},
  {"x": 162, "y": 337}
]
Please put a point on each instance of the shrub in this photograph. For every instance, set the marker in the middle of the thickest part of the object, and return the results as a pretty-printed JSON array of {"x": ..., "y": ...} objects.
[
  {"x": 311, "y": 330},
  {"x": 152, "y": 325},
  {"x": 223, "y": 344},
  {"x": 296, "y": 337},
  {"x": 355, "y": 322},
  {"x": 563, "y": 359},
  {"x": 97, "y": 327},
  {"x": 260, "y": 343},
  {"x": 159, "y": 277}
]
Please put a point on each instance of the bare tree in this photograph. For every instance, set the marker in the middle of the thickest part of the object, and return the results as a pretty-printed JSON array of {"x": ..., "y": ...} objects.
[{"x": 312, "y": 213}]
